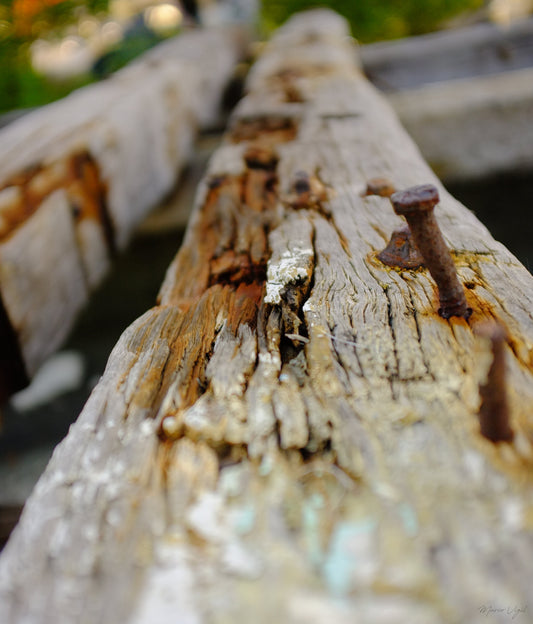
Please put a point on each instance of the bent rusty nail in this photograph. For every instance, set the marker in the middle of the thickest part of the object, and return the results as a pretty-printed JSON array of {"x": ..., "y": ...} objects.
[
  {"x": 401, "y": 250},
  {"x": 416, "y": 204}
]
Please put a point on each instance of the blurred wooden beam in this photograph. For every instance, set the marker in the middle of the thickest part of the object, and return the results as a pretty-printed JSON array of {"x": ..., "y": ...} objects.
[
  {"x": 79, "y": 175},
  {"x": 473, "y": 128},
  {"x": 464, "y": 95},
  {"x": 473, "y": 51}
]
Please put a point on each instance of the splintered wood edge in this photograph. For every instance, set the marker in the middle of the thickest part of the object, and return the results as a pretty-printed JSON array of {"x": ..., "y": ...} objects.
[{"x": 293, "y": 430}]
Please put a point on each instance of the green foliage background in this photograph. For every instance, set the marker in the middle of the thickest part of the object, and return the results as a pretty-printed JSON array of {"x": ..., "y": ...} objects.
[
  {"x": 20, "y": 86},
  {"x": 373, "y": 20}
]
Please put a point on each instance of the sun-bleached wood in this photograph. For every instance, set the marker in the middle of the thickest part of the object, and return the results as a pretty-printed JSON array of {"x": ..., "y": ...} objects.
[
  {"x": 482, "y": 49},
  {"x": 114, "y": 149},
  {"x": 471, "y": 128},
  {"x": 291, "y": 434},
  {"x": 464, "y": 95}
]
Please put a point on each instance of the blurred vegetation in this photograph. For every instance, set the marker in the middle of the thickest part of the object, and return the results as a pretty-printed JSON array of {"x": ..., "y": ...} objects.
[
  {"x": 23, "y": 21},
  {"x": 373, "y": 20},
  {"x": 138, "y": 38}
]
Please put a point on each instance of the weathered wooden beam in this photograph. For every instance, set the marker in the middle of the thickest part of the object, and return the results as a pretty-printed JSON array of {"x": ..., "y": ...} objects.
[
  {"x": 473, "y": 128},
  {"x": 77, "y": 177},
  {"x": 480, "y": 50},
  {"x": 291, "y": 434},
  {"x": 464, "y": 95}
]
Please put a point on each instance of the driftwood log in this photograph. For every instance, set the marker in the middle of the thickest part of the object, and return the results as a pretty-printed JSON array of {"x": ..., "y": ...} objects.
[
  {"x": 291, "y": 434},
  {"x": 79, "y": 175}
]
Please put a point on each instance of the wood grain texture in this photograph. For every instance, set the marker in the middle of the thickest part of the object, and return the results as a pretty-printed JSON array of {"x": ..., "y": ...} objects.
[
  {"x": 291, "y": 434},
  {"x": 114, "y": 149}
]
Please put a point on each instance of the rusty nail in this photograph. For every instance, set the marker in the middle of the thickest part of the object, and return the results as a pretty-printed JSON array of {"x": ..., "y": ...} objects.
[
  {"x": 379, "y": 186},
  {"x": 401, "y": 250},
  {"x": 300, "y": 182},
  {"x": 494, "y": 410},
  {"x": 416, "y": 204}
]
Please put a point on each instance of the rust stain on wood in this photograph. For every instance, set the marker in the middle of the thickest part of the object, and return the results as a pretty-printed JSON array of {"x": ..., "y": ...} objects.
[
  {"x": 219, "y": 279},
  {"x": 231, "y": 236},
  {"x": 78, "y": 174}
]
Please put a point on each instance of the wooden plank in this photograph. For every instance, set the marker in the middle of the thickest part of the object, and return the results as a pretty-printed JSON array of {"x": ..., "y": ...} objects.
[
  {"x": 465, "y": 96},
  {"x": 26, "y": 263},
  {"x": 472, "y": 51},
  {"x": 115, "y": 149},
  {"x": 291, "y": 434},
  {"x": 472, "y": 129}
]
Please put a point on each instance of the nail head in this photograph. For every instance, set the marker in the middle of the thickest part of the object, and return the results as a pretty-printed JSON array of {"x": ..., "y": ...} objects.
[{"x": 415, "y": 199}]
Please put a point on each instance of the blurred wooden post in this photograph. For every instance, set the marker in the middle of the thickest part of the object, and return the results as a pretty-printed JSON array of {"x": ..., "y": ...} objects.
[
  {"x": 77, "y": 177},
  {"x": 291, "y": 434}
]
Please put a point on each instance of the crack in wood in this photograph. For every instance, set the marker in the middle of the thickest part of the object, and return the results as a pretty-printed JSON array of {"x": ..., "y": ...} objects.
[{"x": 391, "y": 320}]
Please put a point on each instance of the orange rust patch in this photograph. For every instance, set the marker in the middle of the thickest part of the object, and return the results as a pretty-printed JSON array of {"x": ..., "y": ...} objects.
[
  {"x": 259, "y": 156},
  {"x": 244, "y": 306},
  {"x": 382, "y": 187},
  {"x": 230, "y": 268},
  {"x": 220, "y": 271},
  {"x": 270, "y": 130},
  {"x": 219, "y": 275},
  {"x": 191, "y": 337},
  {"x": 230, "y": 235},
  {"x": 308, "y": 70},
  {"x": 78, "y": 175},
  {"x": 482, "y": 310},
  {"x": 290, "y": 81}
]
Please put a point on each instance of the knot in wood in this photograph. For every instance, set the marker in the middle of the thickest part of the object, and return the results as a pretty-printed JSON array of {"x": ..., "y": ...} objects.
[{"x": 301, "y": 183}]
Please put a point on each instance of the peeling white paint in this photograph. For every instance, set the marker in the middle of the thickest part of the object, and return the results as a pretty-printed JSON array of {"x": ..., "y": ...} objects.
[
  {"x": 289, "y": 269},
  {"x": 206, "y": 519},
  {"x": 240, "y": 561}
]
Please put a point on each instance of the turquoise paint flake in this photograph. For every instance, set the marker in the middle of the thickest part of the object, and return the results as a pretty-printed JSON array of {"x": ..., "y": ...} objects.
[
  {"x": 409, "y": 519},
  {"x": 244, "y": 519},
  {"x": 348, "y": 554},
  {"x": 311, "y": 527}
]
